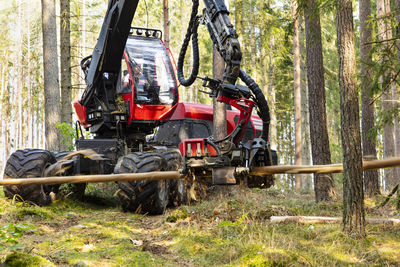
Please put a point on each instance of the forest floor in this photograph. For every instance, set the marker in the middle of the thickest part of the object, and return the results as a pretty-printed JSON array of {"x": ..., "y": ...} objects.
[{"x": 231, "y": 229}]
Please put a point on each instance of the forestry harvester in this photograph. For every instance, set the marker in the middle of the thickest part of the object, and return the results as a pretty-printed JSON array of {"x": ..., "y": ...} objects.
[{"x": 131, "y": 91}]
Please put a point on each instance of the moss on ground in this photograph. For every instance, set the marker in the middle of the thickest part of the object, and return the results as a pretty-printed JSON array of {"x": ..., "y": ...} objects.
[
  {"x": 19, "y": 259},
  {"x": 226, "y": 229}
]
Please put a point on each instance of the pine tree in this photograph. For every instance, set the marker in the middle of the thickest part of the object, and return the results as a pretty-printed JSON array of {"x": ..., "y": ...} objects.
[
  {"x": 65, "y": 50},
  {"x": 371, "y": 178},
  {"x": 297, "y": 92},
  {"x": 50, "y": 62},
  {"x": 323, "y": 183},
  {"x": 353, "y": 194}
]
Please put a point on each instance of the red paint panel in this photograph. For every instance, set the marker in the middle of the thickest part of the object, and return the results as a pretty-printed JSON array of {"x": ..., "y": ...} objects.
[
  {"x": 81, "y": 114},
  {"x": 196, "y": 148}
]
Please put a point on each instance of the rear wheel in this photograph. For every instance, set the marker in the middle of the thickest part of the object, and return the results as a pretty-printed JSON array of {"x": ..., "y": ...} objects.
[
  {"x": 29, "y": 163},
  {"x": 143, "y": 196}
]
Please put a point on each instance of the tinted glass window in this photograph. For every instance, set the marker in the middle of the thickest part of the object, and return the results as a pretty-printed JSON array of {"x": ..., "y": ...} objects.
[
  {"x": 125, "y": 84},
  {"x": 152, "y": 73}
]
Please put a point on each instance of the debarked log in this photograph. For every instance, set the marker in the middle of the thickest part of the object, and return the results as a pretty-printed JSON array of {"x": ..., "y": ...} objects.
[
  {"x": 327, "y": 220},
  {"x": 290, "y": 169}
]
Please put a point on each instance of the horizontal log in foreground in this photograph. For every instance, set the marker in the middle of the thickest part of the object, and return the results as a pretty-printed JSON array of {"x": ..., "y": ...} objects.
[
  {"x": 290, "y": 169},
  {"x": 332, "y": 168},
  {"x": 100, "y": 178},
  {"x": 324, "y": 220}
]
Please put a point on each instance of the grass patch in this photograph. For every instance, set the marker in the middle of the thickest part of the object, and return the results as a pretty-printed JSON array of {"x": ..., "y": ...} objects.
[{"x": 230, "y": 228}]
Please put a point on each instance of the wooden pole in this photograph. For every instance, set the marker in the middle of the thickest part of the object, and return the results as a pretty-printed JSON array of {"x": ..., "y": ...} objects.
[
  {"x": 94, "y": 178},
  {"x": 331, "y": 168},
  {"x": 168, "y": 175}
]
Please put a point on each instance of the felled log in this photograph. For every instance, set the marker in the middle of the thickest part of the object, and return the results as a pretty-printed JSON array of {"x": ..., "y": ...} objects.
[
  {"x": 291, "y": 169},
  {"x": 327, "y": 220},
  {"x": 332, "y": 168},
  {"x": 100, "y": 178}
]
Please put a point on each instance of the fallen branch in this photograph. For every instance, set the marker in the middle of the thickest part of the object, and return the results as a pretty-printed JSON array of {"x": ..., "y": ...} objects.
[
  {"x": 394, "y": 190},
  {"x": 327, "y": 220}
]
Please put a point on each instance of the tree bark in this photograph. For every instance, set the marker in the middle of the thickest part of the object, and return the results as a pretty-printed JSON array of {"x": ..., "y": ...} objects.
[
  {"x": 50, "y": 65},
  {"x": 18, "y": 134},
  {"x": 272, "y": 99},
  {"x": 66, "y": 87},
  {"x": 305, "y": 129},
  {"x": 253, "y": 38},
  {"x": 371, "y": 178},
  {"x": 353, "y": 193},
  {"x": 166, "y": 23},
  {"x": 384, "y": 33},
  {"x": 297, "y": 93},
  {"x": 323, "y": 183},
  {"x": 397, "y": 15}
]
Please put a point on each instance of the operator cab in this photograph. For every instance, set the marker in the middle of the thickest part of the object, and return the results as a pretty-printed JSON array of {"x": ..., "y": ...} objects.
[
  {"x": 147, "y": 79},
  {"x": 145, "y": 90}
]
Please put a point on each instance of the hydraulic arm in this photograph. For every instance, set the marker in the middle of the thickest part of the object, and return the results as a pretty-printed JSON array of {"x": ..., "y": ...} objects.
[
  {"x": 102, "y": 67},
  {"x": 223, "y": 34}
]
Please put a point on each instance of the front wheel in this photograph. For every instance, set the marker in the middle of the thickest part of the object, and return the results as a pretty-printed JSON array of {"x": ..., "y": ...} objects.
[
  {"x": 29, "y": 163},
  {"x": 143, "y": 196},
  {"x": 178, "y": 188}
]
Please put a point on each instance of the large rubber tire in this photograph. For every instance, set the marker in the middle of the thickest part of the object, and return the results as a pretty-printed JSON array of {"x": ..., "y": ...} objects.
[
  {"x": 29, "y": 163},
  {"x": 150, "y": 197},
  {"x": 178, "y": 188},
  {"x": 76, "y": 191}
]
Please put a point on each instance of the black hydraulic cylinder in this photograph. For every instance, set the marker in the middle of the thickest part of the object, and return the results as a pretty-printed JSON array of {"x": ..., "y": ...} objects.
[{"x": 107, "y": 55}]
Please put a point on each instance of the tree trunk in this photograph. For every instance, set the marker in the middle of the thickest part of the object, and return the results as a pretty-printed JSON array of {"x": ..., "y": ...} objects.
[
  {"x": 394, "y": 97},
  {"x": 384, "y": 33},
  {"x": 305, "y": 129},
  {"x": 297, "y": 92},
  {"x": 272, "y": 99},
  {"x": 66, "y": 87},
  {"x": 50, "y": 66},
  {"x": 397, "y": 15},
  {"x": 166, "y": 23},
  {"x": 371, "y": 178},
  {"x": 219, "y": 109},
  {"x": 18, "y": 134},
  {"x": 323, "y": 183},
  {"x": 253, "y": 38},
  {"x": 353, "y": 194},
  {"x": 2, "y": 112}
]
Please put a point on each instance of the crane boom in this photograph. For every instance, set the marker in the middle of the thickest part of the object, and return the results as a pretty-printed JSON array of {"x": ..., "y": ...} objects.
[{"x": 107, "y": 54}]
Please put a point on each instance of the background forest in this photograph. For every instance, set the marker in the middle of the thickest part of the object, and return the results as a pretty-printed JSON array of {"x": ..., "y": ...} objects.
[{"x": 266, "y": 31}]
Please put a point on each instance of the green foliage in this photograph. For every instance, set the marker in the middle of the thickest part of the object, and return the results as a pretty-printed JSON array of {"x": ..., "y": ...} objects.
[
  {"x": 68, "y": 134},
  {"x": 10, "y": 233},
  {"x": 235, "y": 225},
  {"x": 177, "y": 214}
]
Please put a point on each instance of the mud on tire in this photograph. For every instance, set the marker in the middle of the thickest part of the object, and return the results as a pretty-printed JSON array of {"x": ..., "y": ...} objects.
[
  {"x": 29, "y": 163},
  {"x": 143, "y": 196}
]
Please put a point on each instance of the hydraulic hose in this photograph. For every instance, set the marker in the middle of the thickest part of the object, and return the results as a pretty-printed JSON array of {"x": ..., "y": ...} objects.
[
  {"x": 263, "y": 110},
  {"x": 190, "y": 33}
]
